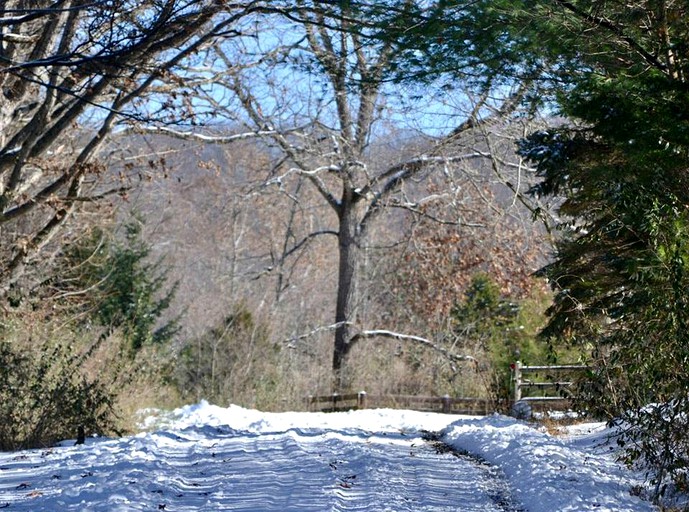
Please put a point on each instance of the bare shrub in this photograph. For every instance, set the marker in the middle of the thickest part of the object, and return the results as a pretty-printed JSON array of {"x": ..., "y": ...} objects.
[{"x": 45, "y": 393}]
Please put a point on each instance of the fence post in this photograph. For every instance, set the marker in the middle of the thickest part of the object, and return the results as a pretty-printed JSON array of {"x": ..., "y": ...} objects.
[
  {"x": 361, "y": 400},
  {"x": 447, "y": 404},
  {"x": 517, "y": 380},
  {"x": 309, "y": 403},
  {"x": 81, "y": 436}
]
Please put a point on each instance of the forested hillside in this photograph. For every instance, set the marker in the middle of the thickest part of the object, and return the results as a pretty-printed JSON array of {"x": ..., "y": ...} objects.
[{"x": 235, "y": 245}]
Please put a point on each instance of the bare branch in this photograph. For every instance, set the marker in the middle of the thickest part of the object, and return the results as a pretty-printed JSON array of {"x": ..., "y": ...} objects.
[
  {"x": 414, "y": 208},
  {"x": 393, "y": 178},
  {"x": 291, "y": 342},
  {"x": 381, "y": 333},
  {"x": 307, "y": 239},
  {"x": 119, "y": 191},
  {"x": 63, "y": 60},
  {"x": 200, "y": 137},
  {"x": 474, "y": 121}
]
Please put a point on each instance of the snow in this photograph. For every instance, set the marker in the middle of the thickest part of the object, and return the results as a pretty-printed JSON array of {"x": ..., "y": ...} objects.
[
  {"x": 204, "y": 457},
  {"x": 548, "y": 473}
]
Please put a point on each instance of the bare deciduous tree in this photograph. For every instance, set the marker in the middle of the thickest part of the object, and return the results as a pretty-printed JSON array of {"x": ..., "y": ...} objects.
[
  {"x": 317, "y": 97},
  {"x": 69, "y": 72}
]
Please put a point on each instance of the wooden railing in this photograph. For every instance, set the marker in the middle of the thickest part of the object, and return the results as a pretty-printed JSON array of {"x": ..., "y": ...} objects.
[
  {"x": 560, "y": 386},
  {"x": 453, "y": 405},
  {"x": 362, "y": 400}
]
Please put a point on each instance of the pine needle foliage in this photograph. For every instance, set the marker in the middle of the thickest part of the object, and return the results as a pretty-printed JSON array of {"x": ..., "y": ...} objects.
[
  {"x": 122, "y": 288},
  {"x": 616, "y": 75},
  {"x": 622, "y": 268}
]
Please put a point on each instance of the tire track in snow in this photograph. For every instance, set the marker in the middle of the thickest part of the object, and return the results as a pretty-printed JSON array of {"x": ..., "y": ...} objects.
[
  {"x": 212, "y": 468},
  {"x": 499, "y": 489}
]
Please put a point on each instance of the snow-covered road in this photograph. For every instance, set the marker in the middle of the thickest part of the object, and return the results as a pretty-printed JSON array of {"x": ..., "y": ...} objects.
[
  {"x": 205, "y": 458},
  {"x": 216, "y": 468}
]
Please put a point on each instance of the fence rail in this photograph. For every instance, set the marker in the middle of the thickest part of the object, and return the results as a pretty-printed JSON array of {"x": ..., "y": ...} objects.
[
  {"x": 362, "y": 400},
  {"x": 453, "y": 405},
  {"x": 520, "y": 383}
]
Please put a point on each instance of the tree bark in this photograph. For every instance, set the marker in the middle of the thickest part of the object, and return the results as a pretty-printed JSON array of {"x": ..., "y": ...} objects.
[{"x": 348, "y": 247}]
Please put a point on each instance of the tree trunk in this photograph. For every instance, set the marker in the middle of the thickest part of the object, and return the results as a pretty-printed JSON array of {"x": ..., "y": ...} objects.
[{"x": 346, "y": 283}]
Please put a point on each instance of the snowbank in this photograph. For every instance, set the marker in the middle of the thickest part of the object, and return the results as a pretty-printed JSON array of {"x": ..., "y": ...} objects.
[{"x": 548, "y": 473}]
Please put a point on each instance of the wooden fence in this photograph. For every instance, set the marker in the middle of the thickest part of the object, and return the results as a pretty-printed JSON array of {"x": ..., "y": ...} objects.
[
  {"x": 452, "y": 405},
  {"x": 545, "y": 384},
  {"x": 362, "y": 400}
]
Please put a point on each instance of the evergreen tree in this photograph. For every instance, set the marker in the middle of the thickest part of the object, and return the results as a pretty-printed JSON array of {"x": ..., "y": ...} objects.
[
  {"x": 621, "y": 164},
  {"x": 497, "y": 324},
  {"x": 122, "y": 287},
  {"x": 617, "y": 76},
  {"x": 621, "y": 270}
]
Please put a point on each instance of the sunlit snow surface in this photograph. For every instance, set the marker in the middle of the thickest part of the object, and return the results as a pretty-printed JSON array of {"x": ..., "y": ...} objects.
[{"x": 204, "y": 457}]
